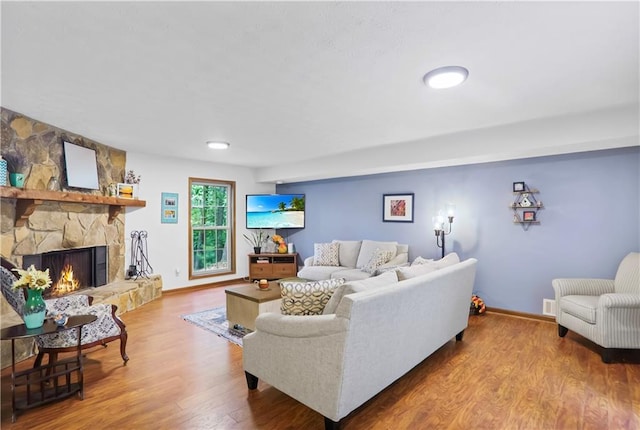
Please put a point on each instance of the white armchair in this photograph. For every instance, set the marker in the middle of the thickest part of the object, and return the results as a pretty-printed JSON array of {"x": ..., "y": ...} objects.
[{"x": 605, "y": 311}]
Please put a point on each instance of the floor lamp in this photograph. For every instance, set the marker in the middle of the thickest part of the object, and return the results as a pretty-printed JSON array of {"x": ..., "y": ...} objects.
[{"x": 439, "y": 227}]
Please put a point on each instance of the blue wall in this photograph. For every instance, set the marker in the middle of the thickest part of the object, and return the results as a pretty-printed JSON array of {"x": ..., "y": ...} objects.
[{"x": 589, "y": 222}]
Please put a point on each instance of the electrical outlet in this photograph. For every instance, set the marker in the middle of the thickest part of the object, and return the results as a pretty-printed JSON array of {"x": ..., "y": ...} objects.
[{"x": 177, "y": 271}]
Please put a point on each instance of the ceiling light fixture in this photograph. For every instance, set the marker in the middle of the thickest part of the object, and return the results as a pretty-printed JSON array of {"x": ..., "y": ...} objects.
[
  {"x": 217, "y": 145},
  {"x": 446, "y": 77}
]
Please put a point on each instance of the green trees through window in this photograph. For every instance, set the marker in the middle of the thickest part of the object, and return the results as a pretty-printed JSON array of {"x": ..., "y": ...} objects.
[{"x": 211, "y": 212}]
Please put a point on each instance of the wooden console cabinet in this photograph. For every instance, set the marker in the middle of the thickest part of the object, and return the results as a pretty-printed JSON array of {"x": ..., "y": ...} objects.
[{"x": 272, "y": 266}]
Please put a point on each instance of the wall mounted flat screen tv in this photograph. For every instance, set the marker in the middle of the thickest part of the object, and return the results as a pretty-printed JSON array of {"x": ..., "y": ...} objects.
[{"x": 275, "y": 210}]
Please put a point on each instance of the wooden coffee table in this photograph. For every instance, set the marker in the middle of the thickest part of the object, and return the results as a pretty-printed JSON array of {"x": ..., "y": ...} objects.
[{"x": 246, "y": 302}]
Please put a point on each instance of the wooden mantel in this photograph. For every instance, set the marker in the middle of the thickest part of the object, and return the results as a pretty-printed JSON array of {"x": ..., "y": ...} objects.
[{"x": 28, "y": 200}]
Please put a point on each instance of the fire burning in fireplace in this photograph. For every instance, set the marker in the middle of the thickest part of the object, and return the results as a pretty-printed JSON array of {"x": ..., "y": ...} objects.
[{"x": 66, "y": 284}]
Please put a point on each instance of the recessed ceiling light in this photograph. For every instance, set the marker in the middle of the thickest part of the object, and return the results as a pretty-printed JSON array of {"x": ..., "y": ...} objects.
[
  {"x": 217, "y": 145},
  {"x": 446, "y": 77}
]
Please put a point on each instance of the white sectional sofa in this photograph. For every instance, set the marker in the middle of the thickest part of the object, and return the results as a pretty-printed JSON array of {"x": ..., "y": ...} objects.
[
  {"x": 333, "y": 363},
  {"x": 353, "y": 256}
]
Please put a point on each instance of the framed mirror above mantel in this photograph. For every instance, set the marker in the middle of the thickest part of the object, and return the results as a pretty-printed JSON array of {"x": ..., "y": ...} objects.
[{"x": 28, "y": 200}]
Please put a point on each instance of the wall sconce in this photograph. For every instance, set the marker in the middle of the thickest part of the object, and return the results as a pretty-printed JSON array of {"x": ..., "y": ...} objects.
[{"x": 439, "y": 227}]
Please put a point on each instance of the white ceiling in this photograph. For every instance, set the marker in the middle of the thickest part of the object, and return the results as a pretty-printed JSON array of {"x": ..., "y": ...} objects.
[{"x": 307, "y": 90}]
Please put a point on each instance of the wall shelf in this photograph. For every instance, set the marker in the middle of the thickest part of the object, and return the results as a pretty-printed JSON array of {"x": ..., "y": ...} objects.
[
  {"x": 28, "y": 200},
  {"x": 525, "y": 206}
]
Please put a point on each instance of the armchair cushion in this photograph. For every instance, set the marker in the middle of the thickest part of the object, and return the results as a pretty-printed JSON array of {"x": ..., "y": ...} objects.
[{"x": 583, "y": 307}]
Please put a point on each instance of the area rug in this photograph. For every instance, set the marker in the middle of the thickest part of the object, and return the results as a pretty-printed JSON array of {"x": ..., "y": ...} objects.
[{"x": 215, "y": 320}]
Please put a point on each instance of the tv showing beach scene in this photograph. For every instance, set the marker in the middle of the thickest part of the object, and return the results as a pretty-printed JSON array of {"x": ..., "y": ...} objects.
[{"x": 275, "y": 210}]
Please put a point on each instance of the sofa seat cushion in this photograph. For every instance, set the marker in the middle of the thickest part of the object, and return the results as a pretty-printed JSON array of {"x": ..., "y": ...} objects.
[
  {"x": 583, "y": 307},
  {"x": 317, "y": 273},
  {"x": 383, "y": 280},
  {"x": 369, "y": 247},
  {"x": 350, "y": 274},
  {"x": 307, "y": 298}
]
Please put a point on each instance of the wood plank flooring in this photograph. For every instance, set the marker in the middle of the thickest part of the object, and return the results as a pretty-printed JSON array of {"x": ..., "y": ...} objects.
[{"x": 507, "y": 373}]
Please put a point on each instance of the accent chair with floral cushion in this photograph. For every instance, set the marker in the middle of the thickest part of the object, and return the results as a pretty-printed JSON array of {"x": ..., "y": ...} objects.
[{"x": 106, "y": 328}]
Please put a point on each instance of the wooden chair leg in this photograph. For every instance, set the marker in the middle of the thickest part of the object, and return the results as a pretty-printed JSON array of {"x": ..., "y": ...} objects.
[{"x": 123, "y": 345}]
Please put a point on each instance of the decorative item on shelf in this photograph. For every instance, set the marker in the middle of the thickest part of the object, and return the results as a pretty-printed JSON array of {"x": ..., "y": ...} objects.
[
  {"x": 4, "y": 173},
  {"x": 112, "y": 189},
  {"x": 131, "y": 183},
  {"x": 256, "y": 239},
  {"x": 54, "y": 184},
  {"x": 291, "y": 248},
  {"x": 35, "y": 282},
  {"x": 16, "y": 179},
  {"x": 477, "y": 306},
  {"x": 280, "y": 243},
  {"x": 438, "y": 225}
]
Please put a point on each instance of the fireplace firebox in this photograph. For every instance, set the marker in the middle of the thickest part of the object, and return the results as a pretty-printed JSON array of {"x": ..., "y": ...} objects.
[{"x": 71, "y": 269}]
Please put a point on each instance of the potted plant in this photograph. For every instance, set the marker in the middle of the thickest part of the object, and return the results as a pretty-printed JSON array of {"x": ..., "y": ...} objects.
[{"x": 256, "y": 239}]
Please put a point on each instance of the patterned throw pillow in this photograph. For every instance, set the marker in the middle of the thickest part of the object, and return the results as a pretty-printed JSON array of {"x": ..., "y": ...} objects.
[
  {"x": 378, "y": 258},
  {"x": 326, "y": 254},
  {"x": 307, "y": 298}
]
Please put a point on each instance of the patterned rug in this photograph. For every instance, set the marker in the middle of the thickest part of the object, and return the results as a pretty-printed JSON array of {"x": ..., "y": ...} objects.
[{"x": 215, "y": 320}]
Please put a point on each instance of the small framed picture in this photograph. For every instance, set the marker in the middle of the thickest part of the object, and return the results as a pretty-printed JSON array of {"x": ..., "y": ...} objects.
[
  {"x": 529, "y": 216},
  {"x": 518, "y": 187},
  {"x": 169, "y": 208},
  {"x": 126, "y": 191},
  {"x": 397, "y": 207}
]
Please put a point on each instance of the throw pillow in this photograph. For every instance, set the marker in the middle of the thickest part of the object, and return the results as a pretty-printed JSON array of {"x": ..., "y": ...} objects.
[
  {"x": 448, "y": 260},
  {"x": 384, "y": 269},
  {"x": 416, "y": 270},
  {"x": 421, "y": 260},
  {"x": 369, "y": 246},
  {"x": 325, "y": 254},
  {"x": 357, "y": 286},
  {"x": 378, "y": 258},
  {"x": 307, "y": 298}
]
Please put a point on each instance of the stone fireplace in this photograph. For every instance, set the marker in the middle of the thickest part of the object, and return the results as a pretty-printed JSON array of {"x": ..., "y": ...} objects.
[{"x": 71, "y": 270}]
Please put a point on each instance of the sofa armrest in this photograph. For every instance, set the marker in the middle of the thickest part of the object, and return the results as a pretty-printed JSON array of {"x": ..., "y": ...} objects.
[
  {"x": 582, "y": 287},
  {"x": 308, "y": 261},
  {"x": 300, "y": 326},
  {"x": 619, "y": 300}
]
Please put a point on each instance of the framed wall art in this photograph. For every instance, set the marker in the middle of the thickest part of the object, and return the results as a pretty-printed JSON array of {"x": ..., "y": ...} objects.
[
  {"x": 529, "y": 216},
  {"x": 169, "y": 208},
  {"x": 397, "y": 207}
]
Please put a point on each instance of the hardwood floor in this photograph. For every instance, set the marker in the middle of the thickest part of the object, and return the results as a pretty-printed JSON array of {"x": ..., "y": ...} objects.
[{"x": 507, "y": 373}]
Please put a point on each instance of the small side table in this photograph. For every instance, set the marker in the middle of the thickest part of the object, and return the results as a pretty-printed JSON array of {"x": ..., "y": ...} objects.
[{"x": 53, "y": 381}]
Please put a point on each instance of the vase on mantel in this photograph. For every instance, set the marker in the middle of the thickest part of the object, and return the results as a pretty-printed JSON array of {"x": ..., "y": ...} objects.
[{"x": 35, "y": 309}]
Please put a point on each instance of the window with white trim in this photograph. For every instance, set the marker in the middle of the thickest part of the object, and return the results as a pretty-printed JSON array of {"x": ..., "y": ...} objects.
[{"x": 212, "y": 224}]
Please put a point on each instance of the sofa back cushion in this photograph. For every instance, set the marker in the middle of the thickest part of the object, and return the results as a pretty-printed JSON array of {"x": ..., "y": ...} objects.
[
  {"x": 385, "y": 279},
  {"x": 628, "y": 275},
  {"x": 325, "y": 254},
  {"x": 421, "y": 266},
  {"x": 307, "y": 298},
  {"x": 369, "y": 247},
  {"x": 348, "y": 253}
]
